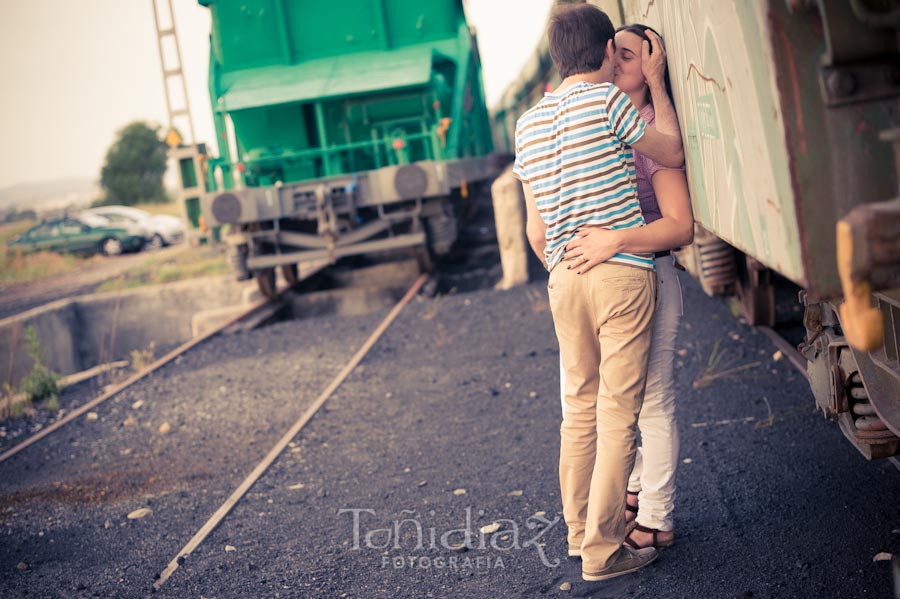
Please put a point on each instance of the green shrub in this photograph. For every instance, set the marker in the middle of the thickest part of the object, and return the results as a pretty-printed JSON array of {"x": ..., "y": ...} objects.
[{"x": 41, "y": 382}]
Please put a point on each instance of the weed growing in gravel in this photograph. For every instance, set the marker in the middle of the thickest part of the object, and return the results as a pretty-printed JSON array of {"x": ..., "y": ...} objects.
[
  {"x": 7, "y": 406},
  {"x": 734, "y": 306},
  {"x": 782, "y": 415},
  {"x": 770, "y": 419},
  {"x": 18, "y": 408},
  {"x": 718, "y": 366},
  {"x": 41, "y": 382},
  {"x": 141, "y": 359},
  {"x": 52, "y": 404}
]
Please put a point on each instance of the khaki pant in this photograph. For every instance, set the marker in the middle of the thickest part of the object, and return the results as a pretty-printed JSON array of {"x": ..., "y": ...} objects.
[
  {"x": 603, "y": 322},
  {"x": 654, "y": 467}
]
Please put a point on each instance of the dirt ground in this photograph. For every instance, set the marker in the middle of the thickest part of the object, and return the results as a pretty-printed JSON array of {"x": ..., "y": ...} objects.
[{"x": 25, "y": 296}]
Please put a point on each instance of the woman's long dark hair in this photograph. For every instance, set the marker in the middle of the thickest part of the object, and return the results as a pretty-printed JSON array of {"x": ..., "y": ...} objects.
[{"x": 641, "y": 31}]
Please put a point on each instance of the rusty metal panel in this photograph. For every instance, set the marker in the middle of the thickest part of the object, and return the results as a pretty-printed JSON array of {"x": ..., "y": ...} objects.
[
  {"x": 720, "y": 58},
  {"x": 775, "y": 159}
]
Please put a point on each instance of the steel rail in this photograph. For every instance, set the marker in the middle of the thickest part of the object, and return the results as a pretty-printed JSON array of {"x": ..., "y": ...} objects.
[
  {"x": 178, "y": 351},
  {"x": 279, "y": 447},
  {"x": 789, "y": 351}
]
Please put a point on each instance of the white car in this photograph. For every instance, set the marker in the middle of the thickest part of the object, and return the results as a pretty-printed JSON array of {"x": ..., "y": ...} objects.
[{"x": 158, "y": 229}]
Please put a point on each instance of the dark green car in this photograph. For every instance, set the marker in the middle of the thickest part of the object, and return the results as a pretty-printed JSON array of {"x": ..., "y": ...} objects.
[{"x": 86, "y": 234}]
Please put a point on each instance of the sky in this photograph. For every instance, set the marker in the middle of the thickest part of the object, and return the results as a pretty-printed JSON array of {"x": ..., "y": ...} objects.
[{"x": 76, "y": 71}]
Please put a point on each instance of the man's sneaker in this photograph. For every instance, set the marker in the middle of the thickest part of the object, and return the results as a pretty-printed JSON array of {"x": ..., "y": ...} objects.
[{"x": 627, "y": 561}]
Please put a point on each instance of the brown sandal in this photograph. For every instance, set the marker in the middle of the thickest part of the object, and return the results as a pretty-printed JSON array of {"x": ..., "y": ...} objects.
[
  {"x": 655, "y": 543},
  {"x": 630, "y": 524},
  {"x": 631, "y": 508}
]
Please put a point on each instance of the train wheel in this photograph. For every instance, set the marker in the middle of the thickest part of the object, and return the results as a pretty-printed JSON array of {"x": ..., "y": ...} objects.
[
  {"x": 291, "y": 275},
  {"x": 849, "y": 386},
  {"x": 265, "y": 280},
  {"x": 756, "y": 293}
]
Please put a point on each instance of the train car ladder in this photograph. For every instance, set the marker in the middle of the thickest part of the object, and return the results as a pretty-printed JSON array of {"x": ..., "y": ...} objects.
[
  {"x": 173, "y": 73},
  {"x": 185, "y": 153}
]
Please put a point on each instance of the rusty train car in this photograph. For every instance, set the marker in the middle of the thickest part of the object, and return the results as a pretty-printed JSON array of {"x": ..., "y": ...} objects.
[{"x": 790, "y": 114}]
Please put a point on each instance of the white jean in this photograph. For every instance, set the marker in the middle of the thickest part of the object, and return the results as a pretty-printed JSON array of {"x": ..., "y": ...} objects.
[{"x": 653, "y": 476}]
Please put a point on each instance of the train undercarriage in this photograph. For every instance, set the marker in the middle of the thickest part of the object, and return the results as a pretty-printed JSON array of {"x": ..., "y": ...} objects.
[
  {"x": 860, "y": 390},
  {"x": 299, "y": 228}
]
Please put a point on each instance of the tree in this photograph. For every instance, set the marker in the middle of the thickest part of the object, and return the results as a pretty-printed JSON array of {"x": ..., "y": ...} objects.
[{"x": 134, "y": 167}]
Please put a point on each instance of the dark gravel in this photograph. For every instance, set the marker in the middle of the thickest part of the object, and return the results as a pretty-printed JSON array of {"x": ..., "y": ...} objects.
[
  {"x": 461, "y": 393},
  {"x": 776, "y": 506},
  {"x": 37, "y": 416},
  {"x": 64, "y": 501}
]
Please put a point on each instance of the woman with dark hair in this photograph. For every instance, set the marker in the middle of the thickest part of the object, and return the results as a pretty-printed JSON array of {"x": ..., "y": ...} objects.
[{"x": 665, "y": 203}]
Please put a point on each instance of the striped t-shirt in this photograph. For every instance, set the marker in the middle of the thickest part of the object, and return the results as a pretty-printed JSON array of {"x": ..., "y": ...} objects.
[{"x": 572, "y": 149}]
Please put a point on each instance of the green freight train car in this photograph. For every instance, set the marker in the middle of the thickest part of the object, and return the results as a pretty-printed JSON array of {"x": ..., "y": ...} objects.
[
  {"x": 790, "y": 114},
  {"x": 344, "y": 128}
]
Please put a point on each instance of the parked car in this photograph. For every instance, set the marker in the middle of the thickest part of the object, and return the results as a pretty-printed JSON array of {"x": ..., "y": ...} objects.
[
  {"x": 158, "y": 229},
  {"x": 86, "y": 234}
]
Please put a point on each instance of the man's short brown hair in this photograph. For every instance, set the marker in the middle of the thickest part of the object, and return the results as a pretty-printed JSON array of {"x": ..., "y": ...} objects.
[{"x": 578, "y": 36}]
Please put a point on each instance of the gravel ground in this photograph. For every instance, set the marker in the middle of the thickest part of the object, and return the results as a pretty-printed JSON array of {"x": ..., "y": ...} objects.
[
  {"x": 38, "y": 416},
  {"x": 64, "y": 502},
  {"x": 462, "y": 394},
  {"x": 459, "y": 395}
]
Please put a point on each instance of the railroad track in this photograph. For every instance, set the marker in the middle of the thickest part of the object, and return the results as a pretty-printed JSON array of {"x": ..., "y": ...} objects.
[
  {"x": 210, "y": 525},
  {"x": 222, "y": 512},
  {"x": 254, "y": 316},
  {"x": 787, "y": 348},
  {"x": 197, "y": 538}
]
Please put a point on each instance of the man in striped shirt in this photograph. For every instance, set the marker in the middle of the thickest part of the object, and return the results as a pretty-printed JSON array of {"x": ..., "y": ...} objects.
[{"x": 577, "y": 169}]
